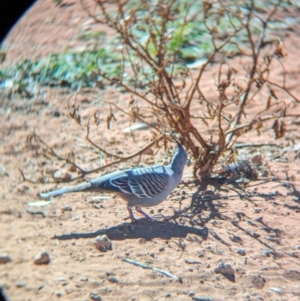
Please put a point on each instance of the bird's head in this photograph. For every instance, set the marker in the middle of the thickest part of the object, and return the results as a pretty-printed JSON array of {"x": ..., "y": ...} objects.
[{"x": 179, "y": 159}]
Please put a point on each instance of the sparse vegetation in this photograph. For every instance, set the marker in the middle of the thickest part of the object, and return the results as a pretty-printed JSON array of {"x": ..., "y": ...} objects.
[
  {"x": 154, "y": 48},
  {"x": 161, "y": 60}
]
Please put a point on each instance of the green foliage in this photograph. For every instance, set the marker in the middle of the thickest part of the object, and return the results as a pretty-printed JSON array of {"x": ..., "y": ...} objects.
[
  {"x": 187, "y": 41},
  {"x": 71, "y": 69}
]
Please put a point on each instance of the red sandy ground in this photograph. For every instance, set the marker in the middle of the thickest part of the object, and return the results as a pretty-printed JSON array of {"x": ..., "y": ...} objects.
[{"x": 189, "y": 246}]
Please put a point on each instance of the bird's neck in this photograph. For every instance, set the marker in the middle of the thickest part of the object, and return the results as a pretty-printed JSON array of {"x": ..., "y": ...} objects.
[{"x": 175, "y": 166}]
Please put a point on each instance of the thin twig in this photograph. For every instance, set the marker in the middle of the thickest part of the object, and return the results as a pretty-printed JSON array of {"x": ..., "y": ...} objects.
[{"x": 145, "y": 266}]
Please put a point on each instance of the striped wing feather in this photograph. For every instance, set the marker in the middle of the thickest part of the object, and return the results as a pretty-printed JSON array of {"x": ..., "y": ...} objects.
[{"x": 142, "y": 182}]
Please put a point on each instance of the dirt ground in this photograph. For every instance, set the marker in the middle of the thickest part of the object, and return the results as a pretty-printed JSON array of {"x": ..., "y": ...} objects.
[{"x": 254, "y": 227}]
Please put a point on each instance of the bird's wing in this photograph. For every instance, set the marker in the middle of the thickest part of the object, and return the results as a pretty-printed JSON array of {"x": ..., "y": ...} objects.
[{"x": 141, "y": 182}]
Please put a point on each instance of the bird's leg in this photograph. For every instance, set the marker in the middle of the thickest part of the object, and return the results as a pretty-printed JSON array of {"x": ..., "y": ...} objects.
[
  {"x": 139, "y": 210},
  {"x": 133, "y": 219}
]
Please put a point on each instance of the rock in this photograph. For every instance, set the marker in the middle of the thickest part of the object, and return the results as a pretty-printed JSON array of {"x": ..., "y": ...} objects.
[
  {"x": 241, "y": 251},
  {"x": 63, "y": 281},
  {"x": 224, "y": 269},
  {"x": 294, "y": 254},
  {"x": 255, "y": 235},
  {"x": 257, "y": 281},
  {"x": 84, "y": 279},
  {"x": 192, "y": 261},
  {"x": 113, "y": 279},
  {"x": 269, "y": 252},
  {"x": 58, "y": 294},
  {"x": 102, "y": 243},
  {"x": 95, "y": 297},
  {"x": 42, "y": 258},
  {"x": 20, "y": 284},
  {"x": 4, "y": 258},
  {"x": 62, "y": 175},
  {"x": 161, "y": 249},
  {"x": 191, "y": 294},
  {"x": 235, "y": 238},
  {"x": 66, "y": 208}
]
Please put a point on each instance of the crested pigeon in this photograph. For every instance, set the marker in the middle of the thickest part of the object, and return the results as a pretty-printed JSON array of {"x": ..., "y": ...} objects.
[{"x": 139, "y": 187}]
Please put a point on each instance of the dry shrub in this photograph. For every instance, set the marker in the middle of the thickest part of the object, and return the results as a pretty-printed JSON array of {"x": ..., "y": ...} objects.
[{"x": 166, "y": 91}]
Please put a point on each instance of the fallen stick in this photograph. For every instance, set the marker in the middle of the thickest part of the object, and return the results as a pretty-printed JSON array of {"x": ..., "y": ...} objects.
[{"x": 145, "y": 266}]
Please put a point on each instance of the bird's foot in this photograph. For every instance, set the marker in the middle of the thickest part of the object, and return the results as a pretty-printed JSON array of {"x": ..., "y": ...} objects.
[
  {"x": 139, "y": 210},
  {"x": 146, "y": 215}
]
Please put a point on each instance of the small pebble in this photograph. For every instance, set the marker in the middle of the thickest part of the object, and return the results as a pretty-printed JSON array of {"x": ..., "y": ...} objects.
[
  {"x": 235, "y": 238},
  {"x": 191, "y": 294},
  {"x": 62, "y": 175},
  {"x": 241, "y": 251},
  {"x": 269, "y": 252},
  {"x": 42, "y": 258},
  {"x": 192, "y": 261},
  {"x": 20, "y": 284},
  {"x": 63, "y": 281},
  {"x": 113, "y": 279},
  {"x": 224, "y": 268},
  {"x": 161, "y": 249},
  {"x": 58, "y": 294},
  {"x": 255, "y": 235},
  {"x": 152, "y": 255},
  {"x": 84, "y": 279},
  {"x": 4, "y": 258},
  {"x": 102, "y": 243},
  {"x": 168, "y": 295},
  {"x": 95, "y": 297},
  {"x": 67, "y": 208},
  {"x": 259, "y": 219}
]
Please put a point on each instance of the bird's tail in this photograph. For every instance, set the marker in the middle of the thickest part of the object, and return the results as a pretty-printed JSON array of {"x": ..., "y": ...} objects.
[{"x": 54, "y": 193}]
